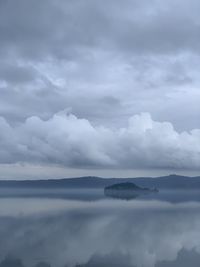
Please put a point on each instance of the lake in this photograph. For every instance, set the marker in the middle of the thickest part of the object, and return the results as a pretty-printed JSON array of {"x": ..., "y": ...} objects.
[{"x": 83, "y": 228}]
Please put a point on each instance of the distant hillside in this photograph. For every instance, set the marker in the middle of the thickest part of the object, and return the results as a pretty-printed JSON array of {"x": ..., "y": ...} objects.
[
  {"x": 170, "y": 182},
  {"x": 164, "y": 182}
]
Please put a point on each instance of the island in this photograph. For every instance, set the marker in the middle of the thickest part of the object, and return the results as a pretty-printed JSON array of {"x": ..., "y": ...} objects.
[{"x": 126, "y": 190}]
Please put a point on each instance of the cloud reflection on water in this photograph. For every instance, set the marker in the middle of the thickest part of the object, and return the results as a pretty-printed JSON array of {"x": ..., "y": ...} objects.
[{"x": 134, "y": 233}]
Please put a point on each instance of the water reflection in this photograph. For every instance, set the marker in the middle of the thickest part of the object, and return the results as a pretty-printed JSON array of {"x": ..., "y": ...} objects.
[
  {"x": 46, "y": 232},
  {"x": 173, "y": 196}
]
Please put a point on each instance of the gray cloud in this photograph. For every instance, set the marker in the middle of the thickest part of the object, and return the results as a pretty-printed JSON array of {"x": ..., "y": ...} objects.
[
  {"x": 184, "y": 258},
  {"x": 49, "y": 28},
  {"x": 16, "y": 74},
  {"x": 104, "y": 62},
  {"x": 72, "y": 142}
]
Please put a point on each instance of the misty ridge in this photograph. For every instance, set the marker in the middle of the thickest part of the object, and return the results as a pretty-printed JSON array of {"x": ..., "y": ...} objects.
[
  {"x": 165, "y": 182},
  {"x": 172, "y": 188}
]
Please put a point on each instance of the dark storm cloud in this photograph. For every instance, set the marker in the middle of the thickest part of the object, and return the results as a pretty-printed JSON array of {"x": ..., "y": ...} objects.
[
  {"x": 52, "y": 28},
  {"x": 114, "y": 259},
  {"x": 104, "y": 62},
  {"x": 16, "y": 74},
  {"x": 184, "y": 259}
]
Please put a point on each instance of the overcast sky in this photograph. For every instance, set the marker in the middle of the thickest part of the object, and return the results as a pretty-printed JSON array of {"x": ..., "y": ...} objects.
[{"x": 91, "y": 87}]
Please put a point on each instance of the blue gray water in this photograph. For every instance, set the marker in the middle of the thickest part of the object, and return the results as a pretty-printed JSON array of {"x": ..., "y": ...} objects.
[{"x": 83, "y": 228}]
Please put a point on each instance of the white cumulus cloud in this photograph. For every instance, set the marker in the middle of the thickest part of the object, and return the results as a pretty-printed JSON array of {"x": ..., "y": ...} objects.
[{"x": 69, "y": 141}]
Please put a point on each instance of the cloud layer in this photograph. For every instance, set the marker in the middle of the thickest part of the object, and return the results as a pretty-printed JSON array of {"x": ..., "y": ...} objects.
[
  {"x": 69, "y": 141},
  {"x": 104, "y": 62}
]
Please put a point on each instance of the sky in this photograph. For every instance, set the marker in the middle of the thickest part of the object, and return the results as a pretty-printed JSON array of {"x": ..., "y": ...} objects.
[{"x": 105, "y": 88}]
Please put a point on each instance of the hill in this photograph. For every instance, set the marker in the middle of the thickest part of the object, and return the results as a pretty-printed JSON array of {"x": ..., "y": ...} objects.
[{"x": 164, "y": 182}]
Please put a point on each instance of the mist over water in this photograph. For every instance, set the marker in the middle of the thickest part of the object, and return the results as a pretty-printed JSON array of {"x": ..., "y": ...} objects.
[{"x": 88, "y": 230}]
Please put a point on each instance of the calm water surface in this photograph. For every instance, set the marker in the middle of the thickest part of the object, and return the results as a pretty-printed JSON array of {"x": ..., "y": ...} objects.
[{"x": 85, "y": 229}]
